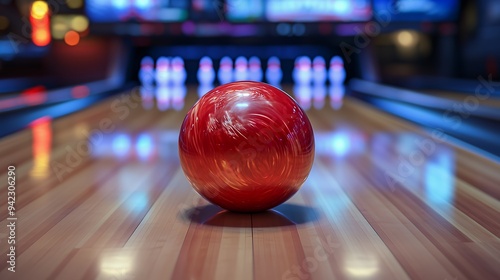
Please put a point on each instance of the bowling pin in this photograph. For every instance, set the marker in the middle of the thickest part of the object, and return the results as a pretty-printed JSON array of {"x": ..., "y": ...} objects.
[
  {"x": 225, "y": 73},
  {"x": 241, "y": 69},
  {"x": 319, "y": 70},
  {"x": 254, "y": 69},
  {"x": 206, "y": 72},
  {"x": 274, "y": 74},
  {"x": 178, "y": 74},
  {"x": 336, "y": 73},
  {"x": 146, "y": 72},
  {"x": 163, "y": 71},
  {"x": 302, "y": 73}
]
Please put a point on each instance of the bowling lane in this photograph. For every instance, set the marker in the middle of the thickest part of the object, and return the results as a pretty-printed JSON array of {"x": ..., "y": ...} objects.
[
  {"x": 489, "y": 101},
  {"x": 100, "y": 195}
]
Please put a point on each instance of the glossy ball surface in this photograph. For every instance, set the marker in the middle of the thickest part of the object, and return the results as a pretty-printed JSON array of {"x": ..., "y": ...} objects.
[{"x": 246, "y": 146}]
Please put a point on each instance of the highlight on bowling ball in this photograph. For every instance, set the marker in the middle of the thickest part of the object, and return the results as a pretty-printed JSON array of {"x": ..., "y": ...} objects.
[{"x": 246, "y": 146}]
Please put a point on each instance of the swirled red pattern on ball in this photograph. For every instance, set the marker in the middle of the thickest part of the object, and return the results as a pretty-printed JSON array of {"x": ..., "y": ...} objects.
[{"x": 246, "y": 146}]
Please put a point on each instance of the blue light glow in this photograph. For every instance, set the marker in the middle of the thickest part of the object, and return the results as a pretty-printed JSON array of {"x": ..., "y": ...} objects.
[
  {"x": 342, "y": 7},
  {"x": 144, "y": 146},
  {"x": 418, "y": 10},
  {"x": 440, "y": 178},
  {"x": 138, "y": 202},
  {"x": 121, "y": 145},
  {"x": 119, "y": 4},
  {"x": 126, "y": 10},
  {"x": 143, "y": 4},
  {"x": 340, "y": 144},
  {"x": 338, "y": 10}
]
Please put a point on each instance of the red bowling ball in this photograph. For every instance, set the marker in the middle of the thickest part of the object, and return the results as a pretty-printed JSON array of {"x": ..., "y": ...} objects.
[{"x": 246, "y": 146}]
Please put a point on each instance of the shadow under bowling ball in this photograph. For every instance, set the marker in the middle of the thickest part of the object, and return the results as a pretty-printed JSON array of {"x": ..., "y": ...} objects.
[{"x": 280, "y": 216}]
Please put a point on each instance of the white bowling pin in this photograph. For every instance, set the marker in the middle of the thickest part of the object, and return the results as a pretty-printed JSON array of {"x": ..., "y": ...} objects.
[
  {"x": 302, "y": 72},
  {"x": 225, "y": 72},
  {"x": 241, "y": 69},
  {"x": 178, "y": 76},
  {"x": 274, "y": 74},
  {"x": 336, "y": 74},
  {"x": 319, "y": 70},
  {"x": 163, "y": 71},
  {"x": 254, "y": 69},
  {"x": 146, "y": 71},
  {"x": 206, "y": 72}
]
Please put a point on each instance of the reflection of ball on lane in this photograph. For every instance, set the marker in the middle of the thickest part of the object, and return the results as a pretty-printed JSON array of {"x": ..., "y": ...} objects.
[{"x": 246, "y": 146}]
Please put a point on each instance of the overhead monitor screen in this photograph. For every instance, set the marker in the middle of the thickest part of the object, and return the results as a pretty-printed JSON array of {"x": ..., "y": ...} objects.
[
  {"x": 417, "y": 10},
  {"x": 298, "y": 10},
  {"x": 139, "y": 10},
  {"x": 245, "y": 10},
  {"x": 318, "y": 10}
]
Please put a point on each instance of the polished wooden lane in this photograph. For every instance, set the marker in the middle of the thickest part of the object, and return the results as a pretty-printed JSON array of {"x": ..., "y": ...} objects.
[{"x": 384, "y": 200}]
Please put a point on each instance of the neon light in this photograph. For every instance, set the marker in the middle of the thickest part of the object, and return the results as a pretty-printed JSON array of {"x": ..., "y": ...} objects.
[
  {"x": 40, "y": 23},
  {"x": 39, "y": 10}
]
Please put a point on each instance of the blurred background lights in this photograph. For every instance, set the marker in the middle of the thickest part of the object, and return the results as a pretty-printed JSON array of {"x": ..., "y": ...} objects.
[
  {"x": 120, "y": 4},
  {"x": 121, "y": 145},
  {"x": 41, "y": 37},
  {"x": 143, "y": 4},
  {"x": 39, "y": 19},
  {"x": 39, "y": 9},
  {"x": 406, "y": 38},
  {"x": 342, "y": 6},
  {"x": 62, "y": 24},
  {"x": 72, "y": 38},
  {"x": 59, "y": 30},
  {"x": 79, "y": 23},
  {"x": 74, "y": 4}
]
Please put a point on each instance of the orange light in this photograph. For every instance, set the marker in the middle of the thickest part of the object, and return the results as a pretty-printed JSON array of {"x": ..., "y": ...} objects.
[
  {"x": 72, "y": 38},
  {"x": 39, "y": 10},
  {"x": 41, "y": 37},
  {"x": 40, "y": 23}
]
